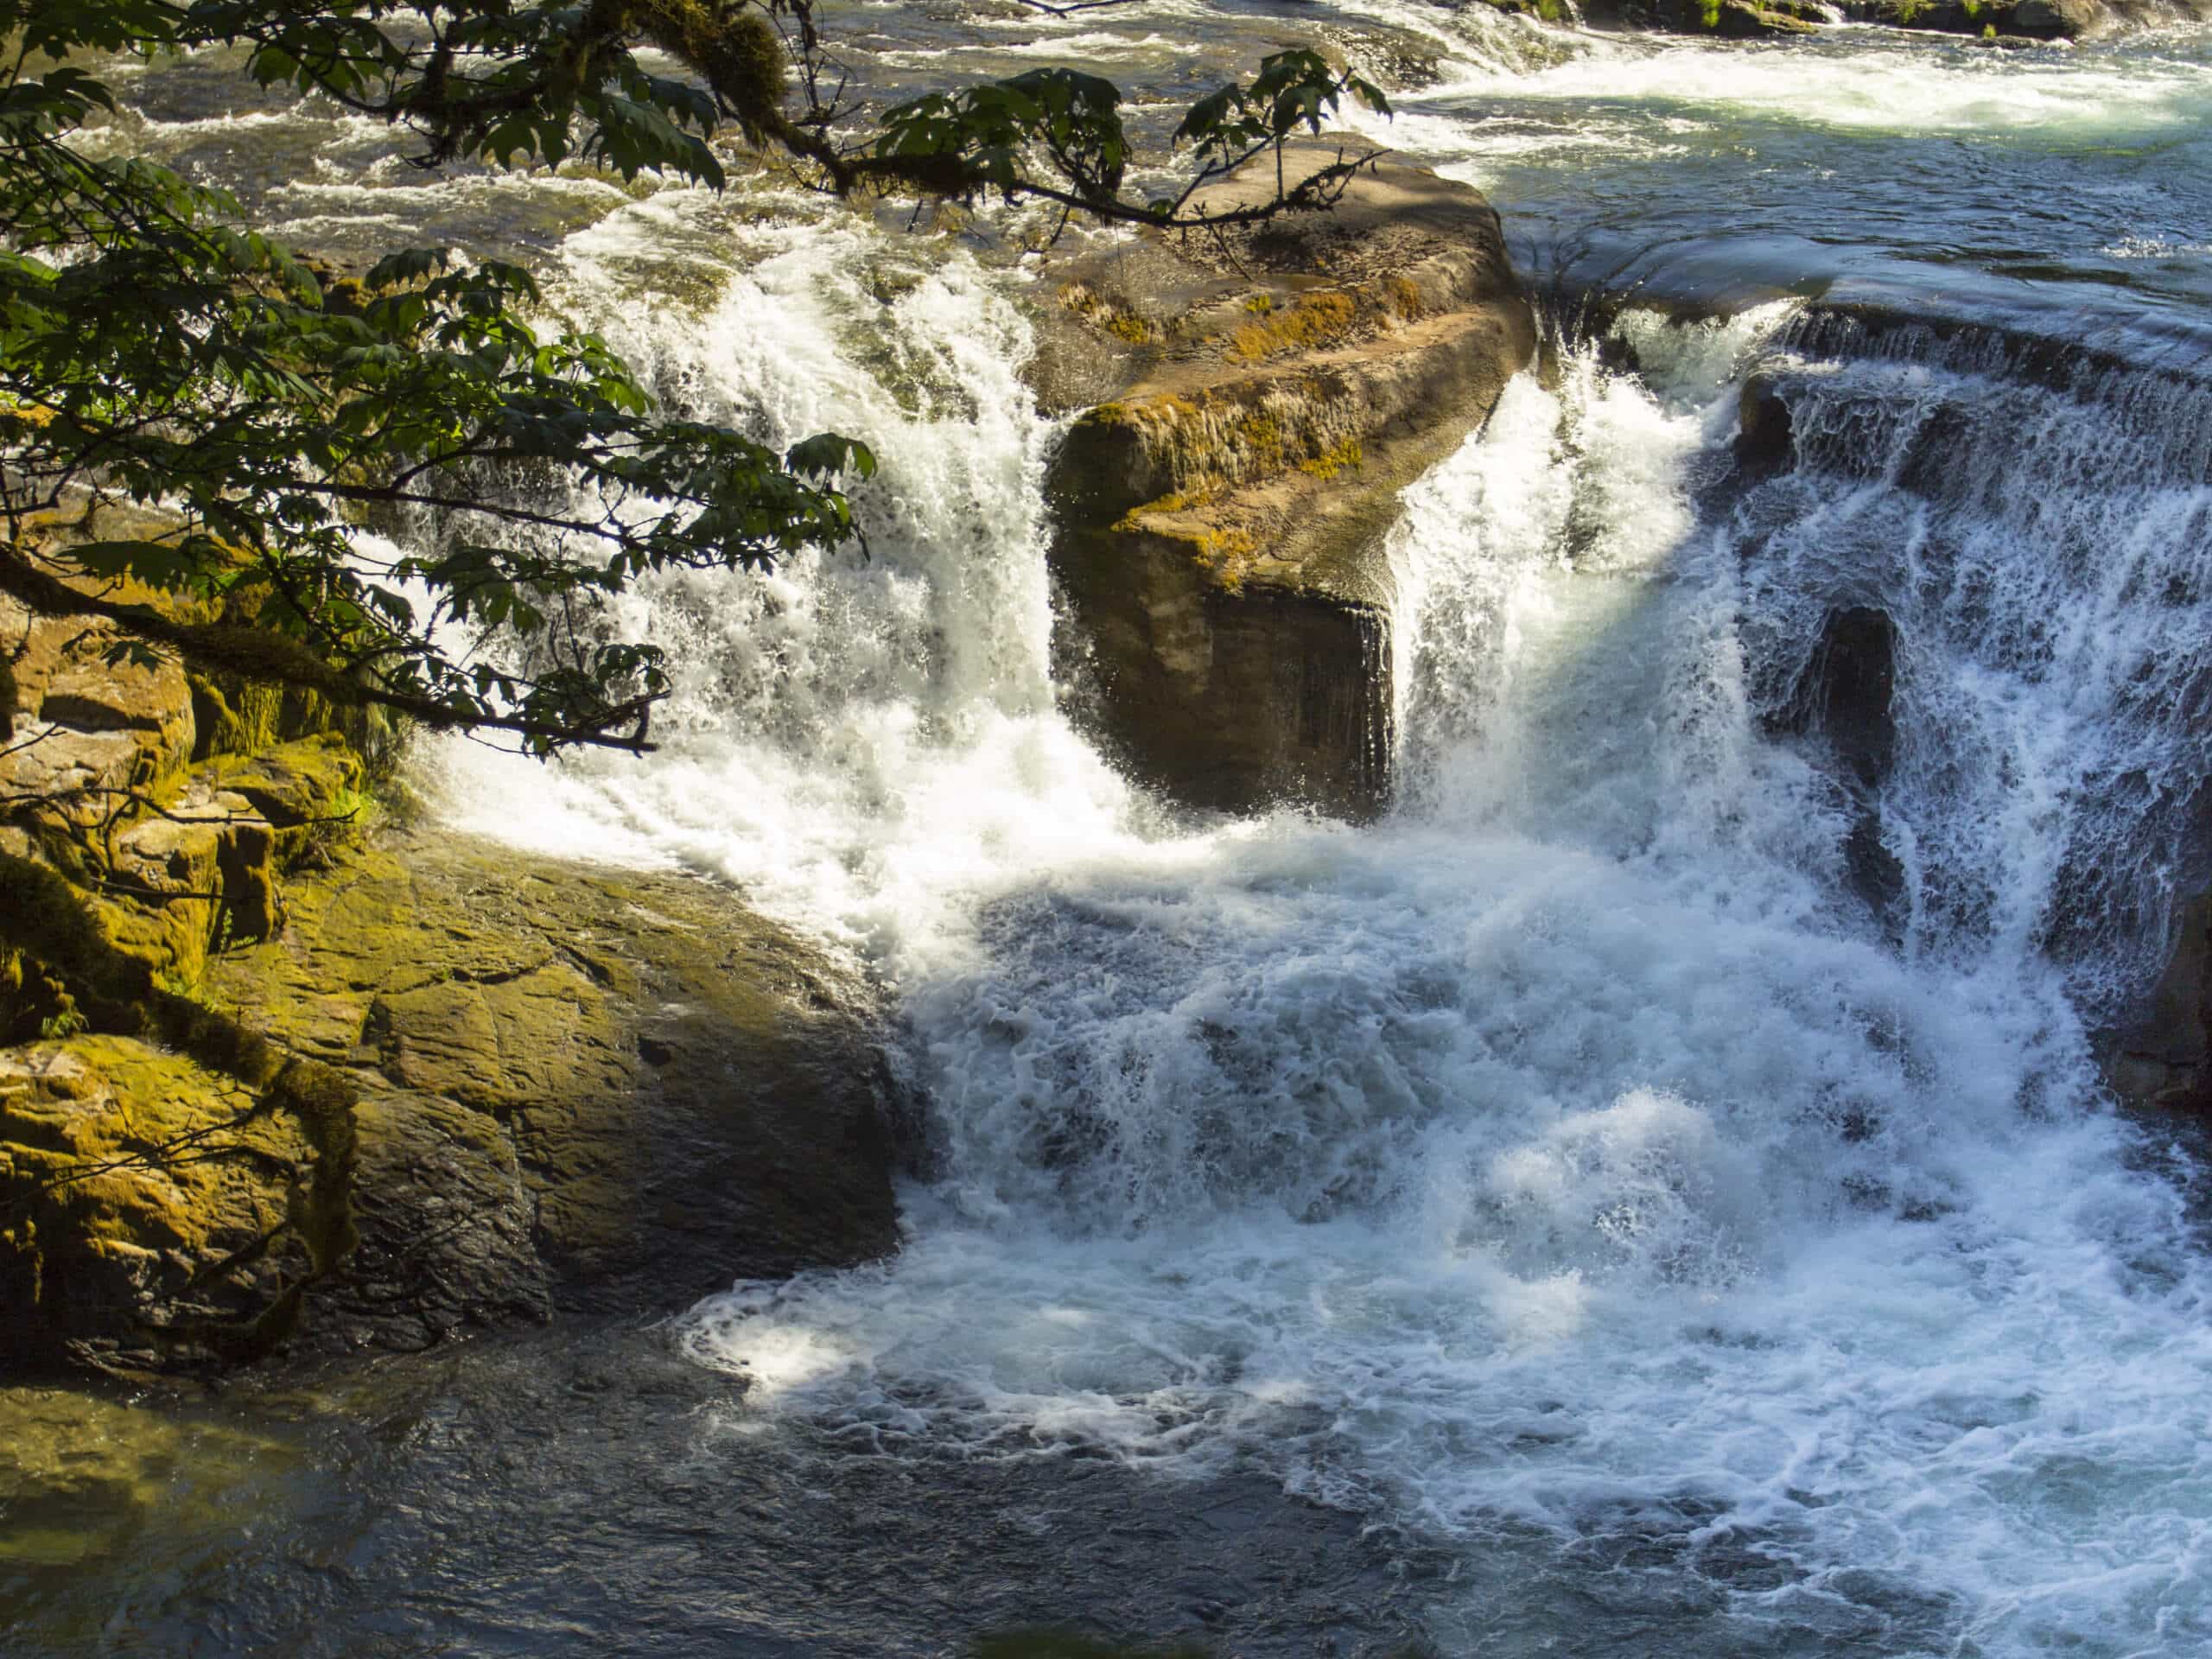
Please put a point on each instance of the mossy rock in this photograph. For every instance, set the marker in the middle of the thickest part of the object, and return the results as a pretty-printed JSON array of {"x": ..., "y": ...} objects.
[
  {"x": 1220, "y": 519},
  {"x": 149, "y": 1207},
  {"x": 1743, "y": 19},
  {"x": 643, "y": 1090},
  {"x": 2007, "y": 23},
  {"x": 293, "y": 784}
]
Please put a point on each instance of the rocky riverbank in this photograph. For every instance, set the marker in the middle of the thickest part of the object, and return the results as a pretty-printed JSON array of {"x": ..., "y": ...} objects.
[
  {"x": 2007, "y": 23},
  {"x": 280, "y": 1087}
]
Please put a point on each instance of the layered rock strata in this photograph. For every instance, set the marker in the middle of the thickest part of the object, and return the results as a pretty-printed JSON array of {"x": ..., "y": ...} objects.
[{"x": 1255, "y": 403}]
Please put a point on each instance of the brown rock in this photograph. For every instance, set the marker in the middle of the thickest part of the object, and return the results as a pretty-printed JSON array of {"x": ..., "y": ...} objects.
[
  {"x": 1220, "y": 519},
  {"x": 69, "y": 677},
  {"x": 1765, "y": 433},
  {"x": 2163, "y": 1057},
  {"x": 582, "y": 1088}
]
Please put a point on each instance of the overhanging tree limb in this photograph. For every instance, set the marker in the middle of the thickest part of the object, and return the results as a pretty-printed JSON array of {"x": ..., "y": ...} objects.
[{"x": 259, "y": 654}]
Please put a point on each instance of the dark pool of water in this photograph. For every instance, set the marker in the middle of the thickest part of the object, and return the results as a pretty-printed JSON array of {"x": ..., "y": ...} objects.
[{"x": 585, "y": 1490}]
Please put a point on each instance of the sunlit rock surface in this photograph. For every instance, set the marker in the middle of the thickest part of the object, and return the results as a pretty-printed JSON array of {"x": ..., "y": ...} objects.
[{"x": 1257, "y": 402}]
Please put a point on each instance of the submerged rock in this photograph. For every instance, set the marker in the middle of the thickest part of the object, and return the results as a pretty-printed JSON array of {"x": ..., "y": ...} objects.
[
  {"x": 83, "y": 1478},
  {"x": 1258, "y": 403}
]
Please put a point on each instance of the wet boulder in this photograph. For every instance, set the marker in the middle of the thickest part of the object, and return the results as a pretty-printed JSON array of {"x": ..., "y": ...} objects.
[
  {"x": 1741, "y": 20},
  {"x": 559, "y": 1088},
  {"x": 2162, "y": 1056},
  {"x": 1765, "y": 432},
  {"x": 1843, "y": 698},
  {"x": 580, "y": 1089},
  {"x": 1844, "y": 691},
  {"x": 2023, "y": 22},
  {"x": 1251, "y": 408}
]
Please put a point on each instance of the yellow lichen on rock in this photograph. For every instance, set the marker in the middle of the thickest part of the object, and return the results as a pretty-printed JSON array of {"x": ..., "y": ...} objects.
[
  {"x": 1223, "y": 508},
  {"x": 1334, "y": 460},
  {"x": 1104, "y": 315},
  {"x": 140, "y": 1185},
  {"x": 1319, "y": 321}
]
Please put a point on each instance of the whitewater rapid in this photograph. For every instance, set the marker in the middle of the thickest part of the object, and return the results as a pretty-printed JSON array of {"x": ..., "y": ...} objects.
[
  {"x": 1570, "y": 1167},
  {"x": 1577, "y": 1171}
]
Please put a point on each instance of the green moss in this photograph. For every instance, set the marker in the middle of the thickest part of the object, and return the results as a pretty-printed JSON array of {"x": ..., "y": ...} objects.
[
  {"x": 740, "y": 54},
  {"x": 1320, "y": 320},
  {"x": 300, "y": 788},
  {"x": 44, "y": 918},
  {"x": 47, "y": 923},
  {"x": 1336, "y": 458},
  {"x": 234, "y": 715}
]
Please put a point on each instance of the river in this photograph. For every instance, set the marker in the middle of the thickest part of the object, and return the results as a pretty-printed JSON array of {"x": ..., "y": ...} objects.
[{"x": 1580, "y": 1214}]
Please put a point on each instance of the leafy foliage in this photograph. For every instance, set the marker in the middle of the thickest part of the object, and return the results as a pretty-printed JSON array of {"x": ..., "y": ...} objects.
[
  {"x": 1058, "y": 134},
  {"x": 269, "y": 410}
]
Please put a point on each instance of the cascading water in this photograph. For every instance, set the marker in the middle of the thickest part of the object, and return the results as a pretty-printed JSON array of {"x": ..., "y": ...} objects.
[
  {"x": 1572, "y": 1171},
  {"x": 861, "y": 736},
  {"x": 1588, "y": 1178},
  {"x": 2036, "y": 522}
]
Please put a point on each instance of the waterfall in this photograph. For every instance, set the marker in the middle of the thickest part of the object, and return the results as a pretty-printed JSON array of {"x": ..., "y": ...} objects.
[
  {"x": 1655, "y": 1185},
  {"x": 1583, "y": 1171},
  {"x": 863, "y": 735},
  {"x": 2037, "y": 524}
]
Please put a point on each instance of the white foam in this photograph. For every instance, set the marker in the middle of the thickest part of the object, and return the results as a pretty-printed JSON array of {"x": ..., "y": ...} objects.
[{"x": 1568, "y": 1159}]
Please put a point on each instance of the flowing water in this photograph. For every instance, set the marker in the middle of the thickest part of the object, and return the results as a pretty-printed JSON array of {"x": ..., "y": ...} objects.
[{"x": 1584, "y": 1213}]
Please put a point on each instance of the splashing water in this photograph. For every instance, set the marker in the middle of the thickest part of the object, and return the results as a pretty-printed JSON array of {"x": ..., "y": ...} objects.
[{"x": 1568, "y": 1171}]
